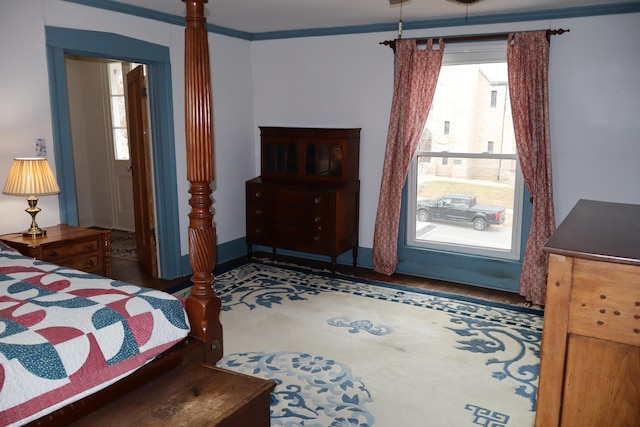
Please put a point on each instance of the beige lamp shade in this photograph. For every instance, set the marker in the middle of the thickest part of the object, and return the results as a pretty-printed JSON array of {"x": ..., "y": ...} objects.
[{"x": 31, "y": 176}]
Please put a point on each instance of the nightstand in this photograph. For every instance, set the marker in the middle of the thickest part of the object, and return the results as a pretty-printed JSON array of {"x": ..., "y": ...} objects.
[{"x": 84, "y": 249}]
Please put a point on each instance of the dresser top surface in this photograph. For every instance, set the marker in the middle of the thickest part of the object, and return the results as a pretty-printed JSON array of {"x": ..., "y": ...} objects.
[
  {"x": 598, "y": 230},
  {"x": 55, "y": 234}
]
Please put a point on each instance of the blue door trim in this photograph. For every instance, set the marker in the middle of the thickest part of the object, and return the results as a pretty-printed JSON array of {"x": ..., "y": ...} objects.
[{"x": 61, "y": 41}]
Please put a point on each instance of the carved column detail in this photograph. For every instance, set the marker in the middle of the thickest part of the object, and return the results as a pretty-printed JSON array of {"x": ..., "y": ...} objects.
[{"x": 200, "y": 173}]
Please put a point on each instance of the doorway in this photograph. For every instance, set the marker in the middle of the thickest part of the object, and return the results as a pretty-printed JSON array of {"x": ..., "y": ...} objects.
[
  {"x": 63, "y": 41},
  {"x": 111, "y": 142},
  {"x": 102, "y": 169}
]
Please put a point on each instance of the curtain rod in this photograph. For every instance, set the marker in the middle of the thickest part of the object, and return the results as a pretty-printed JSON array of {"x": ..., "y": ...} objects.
[{"x": 483, "y": 37}]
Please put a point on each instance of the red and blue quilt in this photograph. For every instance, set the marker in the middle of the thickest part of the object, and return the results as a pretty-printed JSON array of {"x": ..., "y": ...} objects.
[{"x": 65, "y": 334}]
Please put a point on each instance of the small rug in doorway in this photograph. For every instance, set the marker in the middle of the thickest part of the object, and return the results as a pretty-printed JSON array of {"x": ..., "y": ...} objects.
[
  {"x": 123, "y": 244},
  {"x": 348, "y": 352}
]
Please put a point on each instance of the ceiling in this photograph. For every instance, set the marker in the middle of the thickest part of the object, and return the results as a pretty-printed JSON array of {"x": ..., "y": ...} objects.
[{"x": 259, "y": 16}]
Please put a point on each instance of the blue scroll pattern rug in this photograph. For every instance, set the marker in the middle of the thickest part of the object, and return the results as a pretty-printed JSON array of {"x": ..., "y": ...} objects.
[{"x": 347, "y": 352}]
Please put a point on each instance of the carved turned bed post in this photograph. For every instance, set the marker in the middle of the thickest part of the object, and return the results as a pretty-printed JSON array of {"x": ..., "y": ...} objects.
[{"x": 203, "y": 305}]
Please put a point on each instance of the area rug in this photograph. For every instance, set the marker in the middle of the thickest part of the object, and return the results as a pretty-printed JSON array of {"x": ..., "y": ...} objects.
[
  {"x": 347, "y": 352},
  {"x": 123, "y": 244}
]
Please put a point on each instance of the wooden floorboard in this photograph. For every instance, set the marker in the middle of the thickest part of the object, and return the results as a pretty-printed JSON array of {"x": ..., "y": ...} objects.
[
  {"x": 130, "y": 271},
  {"x": 127, "y": 270}
]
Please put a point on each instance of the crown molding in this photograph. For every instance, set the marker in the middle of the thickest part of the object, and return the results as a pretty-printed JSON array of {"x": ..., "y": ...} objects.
[{"x": 547, "y": 14}]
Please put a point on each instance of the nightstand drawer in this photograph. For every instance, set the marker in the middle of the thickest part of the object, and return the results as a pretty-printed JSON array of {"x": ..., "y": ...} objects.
[
  {"x": 65, "y": 250},
  {"x": 90, "y": 264}
]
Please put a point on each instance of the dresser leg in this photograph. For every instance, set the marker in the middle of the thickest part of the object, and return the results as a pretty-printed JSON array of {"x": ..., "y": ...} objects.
[{"x": 355, "y": 256}]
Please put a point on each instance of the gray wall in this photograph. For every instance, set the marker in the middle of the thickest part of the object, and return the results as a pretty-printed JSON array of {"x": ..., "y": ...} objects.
[{"x": 333, "y": 81}]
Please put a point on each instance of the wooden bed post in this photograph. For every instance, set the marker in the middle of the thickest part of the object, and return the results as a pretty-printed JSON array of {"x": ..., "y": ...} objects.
[{"x": 203, "y": 305}]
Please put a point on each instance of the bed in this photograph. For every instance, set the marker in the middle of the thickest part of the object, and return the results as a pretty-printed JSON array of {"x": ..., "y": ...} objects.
[{"x": 136, "y": 333}]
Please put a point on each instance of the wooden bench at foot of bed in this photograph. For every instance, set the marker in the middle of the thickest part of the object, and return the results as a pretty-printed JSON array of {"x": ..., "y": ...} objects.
[{"x": 195, "y": 394}]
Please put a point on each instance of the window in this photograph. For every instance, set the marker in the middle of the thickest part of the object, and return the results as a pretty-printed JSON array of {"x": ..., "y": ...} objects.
[
  {"x": 494, "y": 98},
  {"x": 117, "y": 72},
  {"x": 118, "y": 111},
  {"x": 473, "y": 204}
]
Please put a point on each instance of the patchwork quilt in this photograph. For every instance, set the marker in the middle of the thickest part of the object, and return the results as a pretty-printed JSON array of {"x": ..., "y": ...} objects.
[{"x": 65, "y": 334}]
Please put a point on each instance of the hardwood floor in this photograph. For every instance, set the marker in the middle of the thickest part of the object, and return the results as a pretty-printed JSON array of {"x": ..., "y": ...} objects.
[
  {"x": 129, "y": 271},
  {"x": 407, "y": 280}
]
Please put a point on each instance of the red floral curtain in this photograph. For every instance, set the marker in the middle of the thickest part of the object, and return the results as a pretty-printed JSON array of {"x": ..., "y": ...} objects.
[
  {"x": 527, "y": 60},
  {"x": 416, "y": 76}
]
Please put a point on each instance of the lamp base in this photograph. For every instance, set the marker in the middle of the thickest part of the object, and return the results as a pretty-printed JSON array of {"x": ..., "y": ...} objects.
[{"x": 35, "y": 232}]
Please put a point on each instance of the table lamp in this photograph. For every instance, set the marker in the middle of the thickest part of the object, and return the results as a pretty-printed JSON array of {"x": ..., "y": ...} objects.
[{"x": 31, "y": 177}]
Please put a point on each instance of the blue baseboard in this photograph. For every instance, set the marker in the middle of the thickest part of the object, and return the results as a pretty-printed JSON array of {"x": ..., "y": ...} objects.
[{"x": 427, "y": 265}]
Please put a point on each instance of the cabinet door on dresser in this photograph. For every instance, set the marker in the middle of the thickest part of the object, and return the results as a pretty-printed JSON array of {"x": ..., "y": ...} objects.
[{"x": 310, "y": 154}]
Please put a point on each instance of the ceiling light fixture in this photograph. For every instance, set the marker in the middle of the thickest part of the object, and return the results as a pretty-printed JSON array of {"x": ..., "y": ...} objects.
[
  {"x": 400, "y": 2},
  {"x": 465, "y": 3}
]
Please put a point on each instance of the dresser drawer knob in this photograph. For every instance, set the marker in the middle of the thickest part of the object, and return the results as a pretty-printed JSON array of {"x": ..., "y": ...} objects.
[
  {"x": 258, "y": 194},
  {"x": 318, "y": 200},
  {"x": 53, "y": 253},
  {"x": 90, "y": 246},
  {"x": 258, "y": 211},
  {"x": 317, "y": 218},
  {"x": 316, "y": 238},
  {"x": 259, "y": 229},
  {"x": 91, "y": 263}
]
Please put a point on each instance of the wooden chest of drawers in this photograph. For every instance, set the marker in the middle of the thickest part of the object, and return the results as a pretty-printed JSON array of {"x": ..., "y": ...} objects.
[
  {"x": 80, "y": 248},
  {"x": 321, "y": 220},
  {"x": 590, "y": 361},
  {"x": 308, "y": 195}
]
